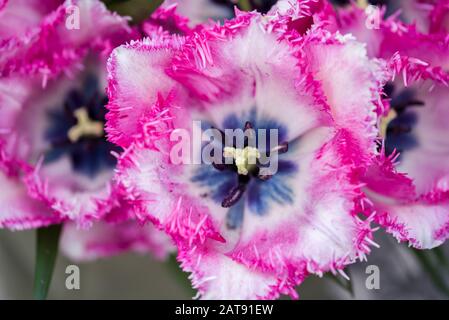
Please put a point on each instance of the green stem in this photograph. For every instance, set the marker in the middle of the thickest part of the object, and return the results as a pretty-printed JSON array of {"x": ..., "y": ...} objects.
[{"x": 47, "y": 243}]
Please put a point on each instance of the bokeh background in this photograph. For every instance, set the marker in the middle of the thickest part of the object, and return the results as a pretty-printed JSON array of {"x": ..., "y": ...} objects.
[{"x": 134, "y": 276}]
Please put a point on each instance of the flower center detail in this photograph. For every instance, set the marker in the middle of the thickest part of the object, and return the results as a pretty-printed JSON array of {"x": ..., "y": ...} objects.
[
  {"x": 250, "y": 174},
  {"x": 76, "y": 130},
  {"x": 245, "y": 159},
  {"x": 86, "y": 127},
  {"x": 245, "y": 162},
  {"x": 397, "y": 126}
]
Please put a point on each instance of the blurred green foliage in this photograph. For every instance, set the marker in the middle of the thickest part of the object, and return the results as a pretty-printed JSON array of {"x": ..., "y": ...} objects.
[
  {"x": 434, "y": 263},
  {"x": 138, "y": 10}
]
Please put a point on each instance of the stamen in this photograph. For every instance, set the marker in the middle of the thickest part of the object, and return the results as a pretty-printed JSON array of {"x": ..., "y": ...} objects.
[
  {"x": 219, "y": 166},
  {"x": 281, "y": 148},
  {"x": 416, "y": 103},
  {"x": 250, "y": 134},
  {"x": 401, "y": 106},
  {"x": 264, "y": 177},
  {"x": 85, "y": 126},
  {"x": 222, "y": 135},
  {"x": 234, "y": 196},
  {"x": 248, "y": 125},
  {"x": 399, "y": 129}
]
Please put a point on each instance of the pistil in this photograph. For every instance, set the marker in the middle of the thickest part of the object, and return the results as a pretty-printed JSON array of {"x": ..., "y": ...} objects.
[
  {"x": 85, "y": 126},
  {"x": 245, "y": 159}
]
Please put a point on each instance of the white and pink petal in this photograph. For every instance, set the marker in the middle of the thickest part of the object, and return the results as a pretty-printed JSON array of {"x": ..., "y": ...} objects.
[
  {"x": 410, "y": 190},
  {"x": 20, "y": 211},
  {"x": 217, "y": 277},
  {"x": 63, "y": 38},
  {"x": 132, "y": 93}
]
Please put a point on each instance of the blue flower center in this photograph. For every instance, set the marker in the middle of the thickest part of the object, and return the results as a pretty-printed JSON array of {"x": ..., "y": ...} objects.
[
  {"x": 76, "y": 130},
  {"x": 234, "y": 185},
  {"x": 399, "y": 134}
]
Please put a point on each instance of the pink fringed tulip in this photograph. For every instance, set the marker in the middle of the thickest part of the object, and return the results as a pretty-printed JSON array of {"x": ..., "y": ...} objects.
[
  {"x": 412, "y": 202},
  {"x": 55, "y": 162},
  {"x": 243, "y": 234}
]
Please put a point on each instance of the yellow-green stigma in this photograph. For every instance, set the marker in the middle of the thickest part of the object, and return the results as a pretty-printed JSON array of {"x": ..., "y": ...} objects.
[
  {"x": 85, "y": 126},
  {"x": 245, "y": 159}
]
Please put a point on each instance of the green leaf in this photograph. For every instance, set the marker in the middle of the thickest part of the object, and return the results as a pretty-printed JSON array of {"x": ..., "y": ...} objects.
[
  {"x": 432, "y": 270},
  {"x": 138, "y": 10},
  {"x": 47, "y": 243}
]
